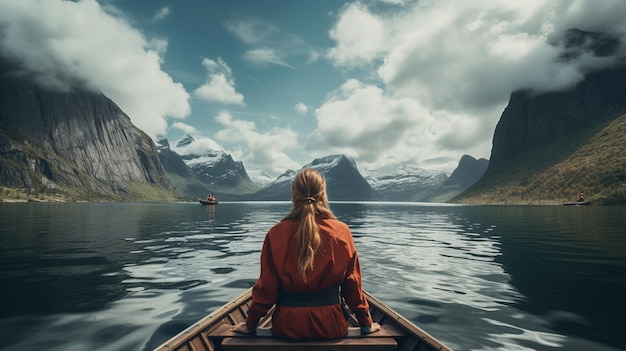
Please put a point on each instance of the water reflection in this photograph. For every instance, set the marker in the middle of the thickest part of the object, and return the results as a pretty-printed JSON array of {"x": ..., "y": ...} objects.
[
  {"x": 446, "y": 265},
  {"x": 129, "y": 276}
]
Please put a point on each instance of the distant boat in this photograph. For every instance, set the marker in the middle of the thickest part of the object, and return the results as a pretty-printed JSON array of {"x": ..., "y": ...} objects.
[
  {"x": 213, "y": 333},
  {"x": 577, "y": 203},
  {"x": 208, "y": 202}
]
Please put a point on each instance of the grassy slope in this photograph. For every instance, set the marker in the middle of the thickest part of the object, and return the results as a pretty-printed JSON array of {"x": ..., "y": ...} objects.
[{"x": 593, "y": 162}]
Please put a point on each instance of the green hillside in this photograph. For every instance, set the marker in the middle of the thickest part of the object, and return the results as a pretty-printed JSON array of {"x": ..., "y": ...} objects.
[{"x": 593, "y": 162}]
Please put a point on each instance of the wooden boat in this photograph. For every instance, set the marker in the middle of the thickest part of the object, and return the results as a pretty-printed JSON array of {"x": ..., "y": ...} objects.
[
  {"x": 212, "y": 333},
  {"x": 576, "y": 203},
  {"x": 208, "y": 202}
]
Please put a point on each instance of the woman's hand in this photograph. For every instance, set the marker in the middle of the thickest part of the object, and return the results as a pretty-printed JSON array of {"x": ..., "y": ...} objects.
[
  {"x": 241, "y": 328},
  {"x": 372, "y": 329}
]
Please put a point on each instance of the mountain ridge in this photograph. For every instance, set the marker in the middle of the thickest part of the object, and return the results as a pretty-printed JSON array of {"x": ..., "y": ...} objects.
[
  {"x": 343, "y": 182},
  {"x": 542, "y": 143},
  {"x": 79, "y": 145},
  {"x": 76, "y": 144}
]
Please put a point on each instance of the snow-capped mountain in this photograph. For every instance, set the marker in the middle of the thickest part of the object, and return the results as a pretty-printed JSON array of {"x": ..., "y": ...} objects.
[
  {"x": 343, "y": 181},
  {"x": 260, "y": 178},
  {"x": 186, "y": 181},
  {"x": 404, "y": 183},
  {"x": 184, "y": 141},
  {"x": 215, "y": 168},
  {"x": 217, "y": 171}
]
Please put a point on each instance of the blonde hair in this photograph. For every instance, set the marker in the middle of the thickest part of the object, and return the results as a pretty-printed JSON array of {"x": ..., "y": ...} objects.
[{"x": 308, "y": 195}]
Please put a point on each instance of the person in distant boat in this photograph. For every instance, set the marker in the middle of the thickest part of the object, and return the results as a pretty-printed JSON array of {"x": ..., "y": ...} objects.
[
  {"x": 581, "y": 198},
  {"x": 210, "y": 197},
  {"x": 308, "y": 263}
]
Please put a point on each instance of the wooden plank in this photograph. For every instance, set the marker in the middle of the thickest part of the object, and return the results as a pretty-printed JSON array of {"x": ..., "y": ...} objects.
[
  {"x": 224, "y": 331},
  {"x": 404, "y": 323},
  {"x": 210, "y": 343},
  {"x": 210, "y": 320},
  {"x": 274, "y": 344},
  {"x": 196, "y": 345},
  {"x": 213, "y": 333}
]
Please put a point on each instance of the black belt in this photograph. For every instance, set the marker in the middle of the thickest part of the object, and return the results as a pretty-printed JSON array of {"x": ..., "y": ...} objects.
[{"x": 326, "y": 297}]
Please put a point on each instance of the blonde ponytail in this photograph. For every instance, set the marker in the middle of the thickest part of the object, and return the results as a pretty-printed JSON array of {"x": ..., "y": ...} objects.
[{"x": 308, "y": 195}]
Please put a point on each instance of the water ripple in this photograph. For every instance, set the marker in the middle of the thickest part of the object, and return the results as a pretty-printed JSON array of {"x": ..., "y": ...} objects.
[{"x": 478, "y": 278}]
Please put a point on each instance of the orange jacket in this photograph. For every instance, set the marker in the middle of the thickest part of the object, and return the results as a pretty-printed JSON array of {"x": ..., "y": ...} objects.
[{"x": 336, "y": 263}]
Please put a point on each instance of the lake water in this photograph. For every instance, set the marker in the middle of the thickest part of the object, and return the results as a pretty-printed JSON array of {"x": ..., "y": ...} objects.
[{"x": 128, "y": 276}]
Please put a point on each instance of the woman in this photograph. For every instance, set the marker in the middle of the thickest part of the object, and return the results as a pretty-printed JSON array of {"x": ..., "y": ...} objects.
[{"x": 308, "y": 260}]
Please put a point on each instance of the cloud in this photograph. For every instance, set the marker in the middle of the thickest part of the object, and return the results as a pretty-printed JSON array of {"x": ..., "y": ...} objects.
[
  {"x": 474, "y": 54},
  {"x": 361, "y": 121},
  {"x": 264, "y": 56},
  {"x": 161, "y": 14},
  {"x": 444, "y": 71},
  {"x": 269, "y": 45},
  {"x": 252, "y": 31},
  {"x": 199, "y": 146},
  {"x": 301, "y": 108},
  {"x": 67, "y": 45},
  {"x": 220, "y": 86},
  {"x": 188, "y": 129},
  {"x": 359, "y": 36},
  {"x": 379, "y": 130},
  {"x": 264, "y": 150}
]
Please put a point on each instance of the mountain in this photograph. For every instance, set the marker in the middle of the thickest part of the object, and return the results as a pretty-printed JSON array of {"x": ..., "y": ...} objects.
[
  {"x": 260, "y": 178},
  {"x": 217, "y": 170},
  {"x": 466, "y": 174},
  {"x": 187, "y": 183},
  {"x": 343, "y": 182},
  {"x": 405, "y": 183},
  {"x": 533, "y": 119},
  {"x": 76, "y": 145},
  {"x": 549, "y": 147}
]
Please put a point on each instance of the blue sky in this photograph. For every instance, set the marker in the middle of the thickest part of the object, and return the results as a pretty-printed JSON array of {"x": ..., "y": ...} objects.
[{"x": 278, "y": 83}]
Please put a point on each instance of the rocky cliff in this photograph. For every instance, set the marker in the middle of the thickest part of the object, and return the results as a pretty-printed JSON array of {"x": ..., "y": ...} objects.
[
  {"x": 216, "y": 169},
  {"x": 531, "y": 120},
  {"x": 549, "y": 147},
  {"x": 187, "y": 183},
  {"x": 75, "y": 143},
  {"x": 466, "y": 174},
  {"x": 534, "y": 119}
]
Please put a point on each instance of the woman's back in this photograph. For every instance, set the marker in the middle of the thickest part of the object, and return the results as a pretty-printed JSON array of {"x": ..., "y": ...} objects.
[
  {"x": 331, "y": 260},
  {"x": 307, "y": 261},
  {"x": 309, "y": 308}
]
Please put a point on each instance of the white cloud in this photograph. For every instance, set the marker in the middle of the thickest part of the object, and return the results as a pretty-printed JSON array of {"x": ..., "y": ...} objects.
[
  {"x": 220, "y": 87},
  {"x": 269, "y": 44},
  {"x": 201, "y": 144},
  {"x": 445, "y": 71},
  {"x": 360, "y": 120},
  {"x": 301, "y": 108},
  {"x": 359, "y": 35},
  {"x": 380, "y": 130},
  {"x": 264, "y": 150},
  {"x": 253, "y": 31},
  {"x": 265, "y": 56},
  {"x": 62, "y": 43},
  {"x": 161, "y": 14},
  {"x": 184, "y": 127}
]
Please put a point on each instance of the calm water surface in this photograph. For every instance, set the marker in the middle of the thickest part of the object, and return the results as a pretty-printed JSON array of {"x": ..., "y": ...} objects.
[{"x": 127, "y": 276}]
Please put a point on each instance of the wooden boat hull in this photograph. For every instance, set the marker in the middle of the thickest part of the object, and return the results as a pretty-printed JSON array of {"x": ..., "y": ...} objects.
[
  {"x": 207, "y": 202},
  {"x": 212, "y": 333},
  {"x": 576, "y": 203}
]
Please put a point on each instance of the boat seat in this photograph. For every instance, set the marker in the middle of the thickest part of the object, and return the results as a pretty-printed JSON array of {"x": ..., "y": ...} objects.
[{"x": 381, "y": 340}]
